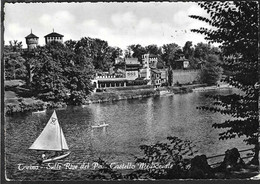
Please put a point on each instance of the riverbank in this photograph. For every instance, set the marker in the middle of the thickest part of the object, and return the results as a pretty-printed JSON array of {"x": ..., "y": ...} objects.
[
  {"x": 121, "y": 95},
  {"x": 14, "y": 102}
]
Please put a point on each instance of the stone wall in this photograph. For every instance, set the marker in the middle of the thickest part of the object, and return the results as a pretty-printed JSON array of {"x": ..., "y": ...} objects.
[{"x": 184, "y": 76}]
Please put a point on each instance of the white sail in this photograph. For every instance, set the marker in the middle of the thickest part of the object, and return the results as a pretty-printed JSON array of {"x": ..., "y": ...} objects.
[{"x": 52, "y": 137}]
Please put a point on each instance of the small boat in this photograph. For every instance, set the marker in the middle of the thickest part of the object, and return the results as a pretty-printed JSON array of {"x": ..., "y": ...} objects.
[
  {"x": 51, "y": 139},
  {"x": 39, "y": 112},
  {"x": 100, "y": 125},
  {"x": 56, "y": 158}
]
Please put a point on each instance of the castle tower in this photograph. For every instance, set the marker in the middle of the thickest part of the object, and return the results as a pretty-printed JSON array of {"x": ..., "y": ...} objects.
[
  {"x": 53, "y": 37},
  {"x": 31, "y": 41},
  {"x": 146, "y": 67}
]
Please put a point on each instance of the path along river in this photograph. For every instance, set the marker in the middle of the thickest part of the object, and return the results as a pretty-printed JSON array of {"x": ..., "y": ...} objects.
[{"x": 131, "y": 123}]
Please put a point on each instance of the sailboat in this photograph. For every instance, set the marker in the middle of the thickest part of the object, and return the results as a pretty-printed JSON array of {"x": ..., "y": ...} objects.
[{"x": 51, "y": 139}]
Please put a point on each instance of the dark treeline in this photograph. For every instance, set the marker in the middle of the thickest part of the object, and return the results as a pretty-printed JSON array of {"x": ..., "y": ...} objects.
[{"x": 62, "y": 72}]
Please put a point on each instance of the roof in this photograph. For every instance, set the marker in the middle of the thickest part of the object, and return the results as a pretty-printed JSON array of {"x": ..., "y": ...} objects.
[
  {"x": 111, "y": 79},
  {"x": 132, "y": 61},
  {"x": 156, "y": 71},
  {"x": 182, "y": 58},
  {"x": 31, "y": 36},
  {"x": 54, "y": 34}
]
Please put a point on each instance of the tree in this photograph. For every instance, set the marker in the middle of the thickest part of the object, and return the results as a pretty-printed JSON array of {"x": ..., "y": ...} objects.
[
  {"x": 162, "y": 160},
  {"x": 153, "y": 49},
  {"x": 201, "y": 51},
  {"x": 236, "y": 29},
  {"x": 188, "y": 50},
  {"x": 48, "y": 82},
  {"x": 14, "y": 62},
  {"x": 115, "y": 52},
  {"x": 15, "y": 45},
  {"x": 96, "y": 50},
  {"x": 171, "y": 52},
  {"x": 70, "y": 44},
  {"x": 61, "y": 75},
  {"x": 211, "y": 72},
  {"x": 138, "y": 51}
]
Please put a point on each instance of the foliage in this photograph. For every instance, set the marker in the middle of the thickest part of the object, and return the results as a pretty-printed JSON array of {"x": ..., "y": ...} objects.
[
  {"x": 163, "y": 160},
  {"x": 14, "y": 62},
  {"x": 171, "y": 52},
  {"x": 137, "y": 51},
  {"x": 153, "y": 49},
  {"x": 169, "y": 155},
  {"x": 201, "y": 51},
  {"x": 61, "y": 75},
  {"x": 210, "y": 72},
  {"x": 23, "y": 107},
  {"x": 97, "y": 51},
  {"x": 235, "y": 27},
  {"x": 188, "y": 50}
]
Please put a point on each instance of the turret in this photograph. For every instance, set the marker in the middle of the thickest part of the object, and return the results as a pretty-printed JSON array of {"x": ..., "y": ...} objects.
[
  {"x": 53, "y": 37},
  {"x": 31, "y": 41}
]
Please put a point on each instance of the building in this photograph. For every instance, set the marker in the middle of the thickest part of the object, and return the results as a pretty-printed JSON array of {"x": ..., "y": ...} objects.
[
  {"x": 184, "y": 76},
  {"x": 102, "y": 82},
  {"x": 159, "y": 77},
  {"x": 149, "y": 60},
  {"x": 145, "y": 72},
  {"x": 31, "y": 41},
  {"x": 182, "y": 63},
  {"x": 119, "y": 60},
  {"x": 132, "y": 67},
  {"x": 151, "y": 72},
  {"x": 53, "y": 37},
  {"x": 156, "y": 78}
]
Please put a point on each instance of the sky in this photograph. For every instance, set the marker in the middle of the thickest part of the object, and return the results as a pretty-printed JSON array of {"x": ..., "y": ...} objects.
[{"x": 120, "y": 24}]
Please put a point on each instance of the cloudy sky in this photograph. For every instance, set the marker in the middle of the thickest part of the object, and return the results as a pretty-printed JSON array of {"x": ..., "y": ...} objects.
[{"x": 121, "y": 24}]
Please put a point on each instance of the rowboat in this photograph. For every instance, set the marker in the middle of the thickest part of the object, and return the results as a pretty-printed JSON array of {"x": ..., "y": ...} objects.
[
  {"x": 51, "y": 139},
  {"x": 39, "y": 112},
  {"x": 100, "y": 125}
]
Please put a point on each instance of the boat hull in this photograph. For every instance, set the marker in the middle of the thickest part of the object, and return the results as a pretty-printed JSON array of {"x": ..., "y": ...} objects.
[
  {"x": 99, "y": 126},
  {"x": 56, "y": 158},
  {"x": 39, "y": 112}
]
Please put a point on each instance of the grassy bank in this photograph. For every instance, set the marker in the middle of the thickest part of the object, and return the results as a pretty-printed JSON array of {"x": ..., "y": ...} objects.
[
  {"x": 121, "y": 95},
  {"x": 184, "y": 88},
  {"x": 19, "y": 99}
]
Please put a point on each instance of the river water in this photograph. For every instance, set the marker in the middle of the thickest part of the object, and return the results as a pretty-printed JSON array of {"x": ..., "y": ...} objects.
[{"x": 131, "y": 124}]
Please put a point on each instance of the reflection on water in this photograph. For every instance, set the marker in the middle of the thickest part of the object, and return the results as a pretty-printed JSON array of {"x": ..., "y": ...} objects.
[{"x": 131, "y": 123}]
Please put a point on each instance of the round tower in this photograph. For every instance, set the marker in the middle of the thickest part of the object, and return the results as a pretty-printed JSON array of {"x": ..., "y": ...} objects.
[
  {"x": 31, "y": 41},
  {"x": 53, "y": 37}
]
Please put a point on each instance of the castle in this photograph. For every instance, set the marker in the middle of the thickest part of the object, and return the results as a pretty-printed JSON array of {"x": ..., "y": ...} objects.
[{"x": 32, "y": 40}]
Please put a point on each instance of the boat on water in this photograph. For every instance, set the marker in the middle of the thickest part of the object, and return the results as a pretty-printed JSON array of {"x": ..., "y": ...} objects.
[
  {"x": 52, "y": 139},
  {"x": 39, "y": 112},
  {"x": 100, "y": 125}
]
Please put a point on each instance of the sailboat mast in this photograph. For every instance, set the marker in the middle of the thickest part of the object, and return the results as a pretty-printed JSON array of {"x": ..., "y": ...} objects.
[{"x": 61, "y": 139}]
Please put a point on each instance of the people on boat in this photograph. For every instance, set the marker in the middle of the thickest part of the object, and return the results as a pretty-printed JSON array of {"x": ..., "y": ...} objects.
[
  {"x": 56, "y": 154},
  {"x": 43, "y": 156}
]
